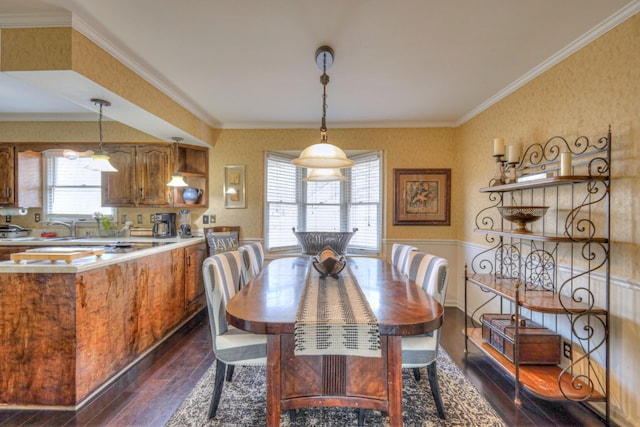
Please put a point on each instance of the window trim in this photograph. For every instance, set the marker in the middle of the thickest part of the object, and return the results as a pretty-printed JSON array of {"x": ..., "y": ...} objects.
[{"x": 345, "y": 195}]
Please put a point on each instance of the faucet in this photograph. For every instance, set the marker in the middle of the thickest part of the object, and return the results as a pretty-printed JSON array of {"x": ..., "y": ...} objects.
[{"x": 71, "y": 226}]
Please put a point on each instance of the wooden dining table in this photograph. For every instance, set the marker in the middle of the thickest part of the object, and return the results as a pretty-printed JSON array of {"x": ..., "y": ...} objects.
[{"x": 268, "y": 305}]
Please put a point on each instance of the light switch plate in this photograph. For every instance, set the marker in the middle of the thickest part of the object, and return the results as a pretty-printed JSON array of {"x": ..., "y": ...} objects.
[
  {"x": 205, "y": 219},
  {"x": 213, "y": 219}
]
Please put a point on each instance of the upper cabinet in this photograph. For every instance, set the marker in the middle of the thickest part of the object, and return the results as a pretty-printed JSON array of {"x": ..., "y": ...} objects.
[
  {"x": 193, "y": 164},
  {"x": 141, "y": 180},
  {"x": 145, "y": 170},
  {"x": 8, "y": 177}
]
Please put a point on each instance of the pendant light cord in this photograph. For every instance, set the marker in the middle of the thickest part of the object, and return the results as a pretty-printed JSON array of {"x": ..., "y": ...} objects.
[{"x": 324, "y": 79}]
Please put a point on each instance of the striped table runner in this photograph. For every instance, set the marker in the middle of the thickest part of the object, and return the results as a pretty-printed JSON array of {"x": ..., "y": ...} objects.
[{"x": 334, "y": 317}]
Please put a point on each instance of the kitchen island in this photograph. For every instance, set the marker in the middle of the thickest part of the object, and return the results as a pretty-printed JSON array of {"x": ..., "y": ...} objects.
[{"x": 69, "y": 329}]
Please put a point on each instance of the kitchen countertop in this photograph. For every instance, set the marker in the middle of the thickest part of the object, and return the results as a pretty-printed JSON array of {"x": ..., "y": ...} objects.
[{"x": 91, "y": 262}]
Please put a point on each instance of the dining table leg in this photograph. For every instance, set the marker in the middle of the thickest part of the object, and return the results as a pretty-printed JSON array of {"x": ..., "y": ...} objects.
[
  {"x": 273, "y": 381},
  {"x": 394, "y": 379}
]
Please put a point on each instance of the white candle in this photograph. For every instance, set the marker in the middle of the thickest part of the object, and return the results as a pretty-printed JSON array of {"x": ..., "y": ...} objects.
[
  {"x": 565, "y": 164},
  {"x": 498, "y": 146},
  {"x": 513, "y": 155}
]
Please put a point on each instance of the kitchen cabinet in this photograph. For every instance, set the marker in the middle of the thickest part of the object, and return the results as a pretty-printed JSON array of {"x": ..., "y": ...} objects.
[
  {"x": 193, "y": 164},
  {"x": 553, "y": 269},
  {"x": 193, "y": 281},
  {"x": 83, "y": 324},
  {"x": 141, "y": 180},
  {"x": 8, "y": 166}
]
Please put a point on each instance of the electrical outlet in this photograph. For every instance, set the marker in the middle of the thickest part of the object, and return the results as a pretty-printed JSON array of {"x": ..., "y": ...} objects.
[
  {"x": 205, "y": 219},
  {"x": 7, "y": 218},
  {"x": 152, "y": 218},
  {"x": 139, "y": 219},
  {"x": 123, "y": 218},
  {"x": 566, "y": 350},
  {"x": 213, "y": 219},
  {"x": 36, "y": 217}
]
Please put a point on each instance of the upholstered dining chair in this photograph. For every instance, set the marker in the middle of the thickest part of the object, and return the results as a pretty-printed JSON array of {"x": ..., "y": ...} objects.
[
  {"x": 430, "y": 272},
  {"x": 231, "y": 346},
  {"x": 400, "y": 256},
  {"x": 253, "y": 260}
]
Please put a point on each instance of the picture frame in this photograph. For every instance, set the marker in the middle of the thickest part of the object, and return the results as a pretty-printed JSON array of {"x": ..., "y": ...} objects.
[
  {"x": 234, "y": 187},
  {"x": 422, "y": 197}
]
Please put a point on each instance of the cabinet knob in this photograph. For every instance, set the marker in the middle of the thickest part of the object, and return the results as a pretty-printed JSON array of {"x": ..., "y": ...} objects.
[{"x": 8, "y": 192}]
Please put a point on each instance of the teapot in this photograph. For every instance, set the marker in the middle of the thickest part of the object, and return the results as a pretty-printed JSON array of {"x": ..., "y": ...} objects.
[{"x": 191, "y": 195}]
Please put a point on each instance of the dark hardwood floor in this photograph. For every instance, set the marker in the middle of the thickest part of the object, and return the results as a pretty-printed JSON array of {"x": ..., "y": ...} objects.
[{"x": 149, "y": 393}]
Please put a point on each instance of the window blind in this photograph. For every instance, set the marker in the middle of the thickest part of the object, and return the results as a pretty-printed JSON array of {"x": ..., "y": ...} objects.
[
  {"x": 71, "y": 190},
  {"x": 323, "y": 206}
]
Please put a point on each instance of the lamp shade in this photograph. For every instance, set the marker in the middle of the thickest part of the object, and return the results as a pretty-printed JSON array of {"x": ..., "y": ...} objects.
[
  {"x": 323, "y": 156},
  {"x": 323, "y": 175},
  {"x": 177, "y": 180},
  {"x": 100, "y": 162}
]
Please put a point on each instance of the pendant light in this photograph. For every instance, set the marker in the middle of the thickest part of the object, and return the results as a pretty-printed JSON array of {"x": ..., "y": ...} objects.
[
  {"x": 323, "y": 155},
  {"x": 177, "y": 180},
  {"x": 324, "y": 175},
  {"x": 100, "y": 159}
]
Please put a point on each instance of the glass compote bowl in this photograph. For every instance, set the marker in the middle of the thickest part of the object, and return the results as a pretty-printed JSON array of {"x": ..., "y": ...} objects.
[{"x": 522, "y": 215}]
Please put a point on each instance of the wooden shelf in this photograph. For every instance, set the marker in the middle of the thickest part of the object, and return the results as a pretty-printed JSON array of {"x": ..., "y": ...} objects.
[
  {"x": 545, "y": 182},
  {"x": 540, "y": 237},
  {"x": 537, "y": 300},
  {"x": 541, "y": 380}
]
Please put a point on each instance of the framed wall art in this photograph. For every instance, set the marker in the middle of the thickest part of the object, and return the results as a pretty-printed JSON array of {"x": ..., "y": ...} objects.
[
  {"x": 422, "y": 197},
  {"x": 234, "y": 189}
]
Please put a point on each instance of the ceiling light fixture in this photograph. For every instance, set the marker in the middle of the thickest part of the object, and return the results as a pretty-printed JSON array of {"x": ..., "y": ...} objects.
[
  {"x": 100, "y": 159},
  {"x": 325, "y": 175},
  {"x": 323, "y": 155},
  {"x": 177, "y": 180}
]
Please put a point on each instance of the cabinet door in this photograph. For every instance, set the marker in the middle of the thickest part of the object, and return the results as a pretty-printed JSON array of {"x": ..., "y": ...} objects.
[
  {"x": 8, "y": 176},
  {"x": 193, "y": 281},
  {"x": 153, "y": 171},
  {"x": 118, "y": 188}
]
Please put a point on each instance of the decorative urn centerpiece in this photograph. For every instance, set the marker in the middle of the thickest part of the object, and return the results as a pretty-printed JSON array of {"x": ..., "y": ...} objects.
[{"x": 522, "y": 215}]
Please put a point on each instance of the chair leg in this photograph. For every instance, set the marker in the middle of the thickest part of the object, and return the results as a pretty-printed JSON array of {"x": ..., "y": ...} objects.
[
  {"x": 432, "y": 370},
  {"x": 230, "y": 372},
  {"x": 361, "y": 415},
  {"x": 416, "y": 374},
  {"x": 217, "y": 388}
]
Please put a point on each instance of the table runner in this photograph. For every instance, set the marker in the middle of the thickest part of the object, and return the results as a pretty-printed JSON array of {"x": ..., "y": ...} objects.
[{"x": 334, "y": 317}]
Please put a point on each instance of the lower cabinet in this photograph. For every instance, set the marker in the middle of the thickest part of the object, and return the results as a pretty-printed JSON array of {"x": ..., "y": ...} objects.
[
  {"x": 72, "y": 332},
  {"x": 194, "y": 297}
]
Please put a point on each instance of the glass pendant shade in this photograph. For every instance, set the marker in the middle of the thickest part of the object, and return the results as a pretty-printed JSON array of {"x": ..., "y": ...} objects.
[
  {"x": 177, "y": 180},
  {"x": 321, "y": 175},
  {"x": 324, "y": 156},
  {"x": 100, "y": 162},
  {"x": 100, "y": 159}
]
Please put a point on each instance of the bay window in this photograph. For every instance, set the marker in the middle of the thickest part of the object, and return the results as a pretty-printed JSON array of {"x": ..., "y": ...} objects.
[{"x": 290, "y": 202}]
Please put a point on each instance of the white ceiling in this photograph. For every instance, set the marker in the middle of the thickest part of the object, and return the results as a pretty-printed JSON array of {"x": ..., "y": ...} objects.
[{"x": 251, "y": 63}]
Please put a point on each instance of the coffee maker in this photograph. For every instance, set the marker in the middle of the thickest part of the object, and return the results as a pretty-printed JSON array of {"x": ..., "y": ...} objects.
[
  {"x": 185, "y": 223},
  {"x": 164, "y": 225}
]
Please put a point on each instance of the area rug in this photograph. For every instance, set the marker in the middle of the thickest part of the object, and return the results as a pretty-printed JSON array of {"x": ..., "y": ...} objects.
[{"x": 243, "y": 403}]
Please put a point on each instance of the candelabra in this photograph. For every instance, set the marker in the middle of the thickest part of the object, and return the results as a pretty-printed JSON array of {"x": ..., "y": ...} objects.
[{"x": 499, "y": 176}]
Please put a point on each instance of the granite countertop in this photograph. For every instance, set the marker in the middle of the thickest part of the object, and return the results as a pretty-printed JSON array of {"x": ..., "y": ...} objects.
[{"x": 141, "y": 246}]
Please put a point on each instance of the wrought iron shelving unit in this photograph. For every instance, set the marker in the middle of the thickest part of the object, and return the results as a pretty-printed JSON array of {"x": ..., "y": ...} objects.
[{"x": 557, "y": 270}]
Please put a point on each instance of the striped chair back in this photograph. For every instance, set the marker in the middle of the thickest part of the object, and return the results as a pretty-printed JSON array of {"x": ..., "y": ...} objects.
[
  {"x": 221, "y": 274},
  {"x": 430, "y": 272},
  {"x": 253, "y": 260},
  {"x": 400, "y": 256}
]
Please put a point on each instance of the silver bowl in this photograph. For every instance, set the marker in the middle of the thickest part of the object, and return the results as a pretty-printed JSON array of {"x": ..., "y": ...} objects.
[{"x": 522, "y": 215}]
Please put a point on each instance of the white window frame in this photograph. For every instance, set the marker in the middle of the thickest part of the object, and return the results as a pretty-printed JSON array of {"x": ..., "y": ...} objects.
[
  {"x": 108, "y": 212},
  {"x": 300, "y": 203}
]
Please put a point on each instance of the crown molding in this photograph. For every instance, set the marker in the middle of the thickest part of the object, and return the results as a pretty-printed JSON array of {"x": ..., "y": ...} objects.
[
  {"x": 34, "y": 20},
  {"x": 597, "y": 31},
  {"x": 127, "y": 59}
]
